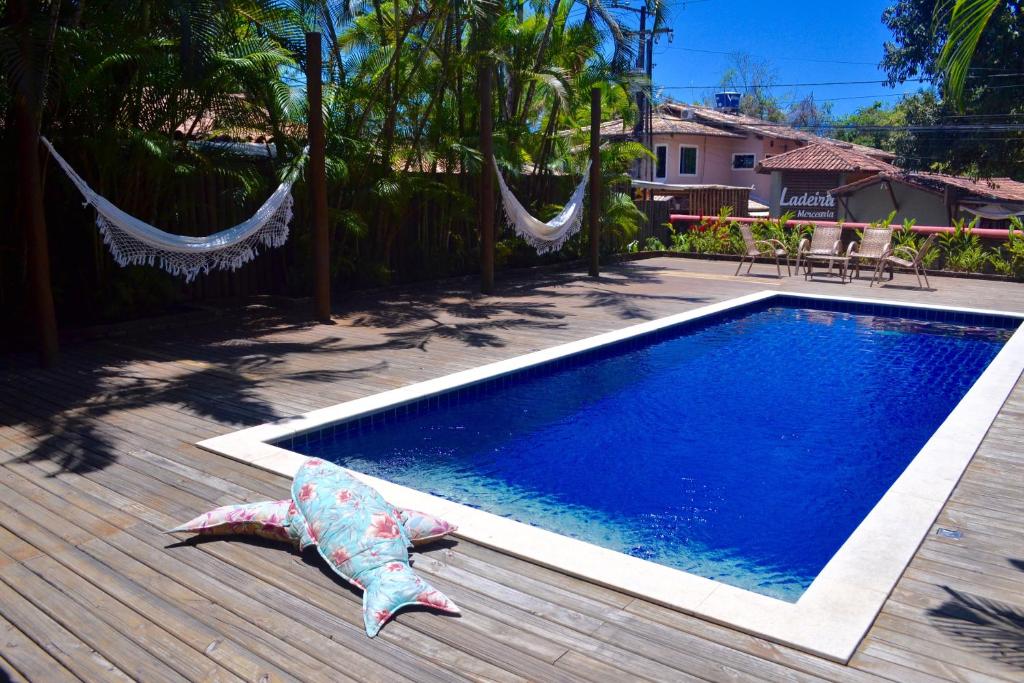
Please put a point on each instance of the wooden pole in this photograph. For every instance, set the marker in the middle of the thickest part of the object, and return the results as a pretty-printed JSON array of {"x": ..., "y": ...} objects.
[
  {"x": 595, "y": 181},
  {"x": 486, "y": 205},
  {"x": 27, "y": 115},
  {"x": 318, "y": 181}
]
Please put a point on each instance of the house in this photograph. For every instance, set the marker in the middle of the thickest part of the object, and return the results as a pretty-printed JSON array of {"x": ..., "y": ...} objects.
[
  {"x": 695, "y": 145},
  {"x": 802, "y": 179},
  {"x": 930, "y": 198}
]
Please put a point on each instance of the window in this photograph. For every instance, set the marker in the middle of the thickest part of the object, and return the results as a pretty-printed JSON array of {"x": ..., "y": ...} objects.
[
  {"x": 743, "y": 162},
  {"x": 661, "y": 154},
  {"x": 687, "y": 160}
]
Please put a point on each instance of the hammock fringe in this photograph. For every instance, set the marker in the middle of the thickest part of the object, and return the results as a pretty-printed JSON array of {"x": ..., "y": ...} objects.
[{"x": 543, "y": 246}]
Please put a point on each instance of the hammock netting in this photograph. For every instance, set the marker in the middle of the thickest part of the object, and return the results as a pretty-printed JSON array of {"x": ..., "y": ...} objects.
[
  {"x": 135, "y": 242},
  {"x": 549, "y": 236}
]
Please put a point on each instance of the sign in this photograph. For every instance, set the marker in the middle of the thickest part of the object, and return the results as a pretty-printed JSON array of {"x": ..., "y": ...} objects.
[
  {"x": 819, "y": 205},
  {"x": 806, "y": 195}
]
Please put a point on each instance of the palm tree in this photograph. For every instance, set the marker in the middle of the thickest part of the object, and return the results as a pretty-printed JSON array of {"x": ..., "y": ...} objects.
[{"x": 965, "y": 21}]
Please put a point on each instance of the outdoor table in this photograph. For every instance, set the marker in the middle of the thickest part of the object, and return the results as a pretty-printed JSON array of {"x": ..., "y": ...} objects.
[{"x": 842, "y": 263}]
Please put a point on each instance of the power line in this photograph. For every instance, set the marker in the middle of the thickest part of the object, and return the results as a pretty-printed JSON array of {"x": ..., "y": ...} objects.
[
  {"x": 767, "y": 86},
  {"x": 909, "y": 128},
  {"x": 808, "y": 59}
]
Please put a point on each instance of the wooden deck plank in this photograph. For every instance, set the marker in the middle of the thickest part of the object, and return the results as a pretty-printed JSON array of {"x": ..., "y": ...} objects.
[
  {"x": 97, "y": 456},
  {"x": 212, "y": 594},
  {"x": 21, "y": 659},
  {"x": 77, "y": 638}
]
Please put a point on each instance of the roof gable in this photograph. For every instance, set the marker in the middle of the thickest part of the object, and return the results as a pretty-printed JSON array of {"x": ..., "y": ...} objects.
[{"x": 824, "y": 157}]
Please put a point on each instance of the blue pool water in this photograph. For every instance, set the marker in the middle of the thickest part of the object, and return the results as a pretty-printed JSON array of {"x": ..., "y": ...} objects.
[{"x": 745, "y": 449}]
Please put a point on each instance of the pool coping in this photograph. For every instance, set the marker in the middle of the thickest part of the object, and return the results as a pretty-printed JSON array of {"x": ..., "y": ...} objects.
[{"x": 833, "y": 614}]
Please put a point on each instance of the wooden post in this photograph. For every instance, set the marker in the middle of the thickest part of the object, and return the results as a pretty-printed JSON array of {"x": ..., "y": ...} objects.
[
  {"x": 486, "y": 205},
  {"x": 318, "y": 181},
  {"x": 27, "y": 115},
  {"x": 595, "y": 181}
]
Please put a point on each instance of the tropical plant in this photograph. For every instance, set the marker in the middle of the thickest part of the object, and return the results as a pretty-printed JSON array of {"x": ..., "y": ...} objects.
[
  {"x": 778, "y": 229},
  {"x": 1008, "y": 259},
  {"x": 962, "y": 249},
  {"x": 653, "y": 244}
]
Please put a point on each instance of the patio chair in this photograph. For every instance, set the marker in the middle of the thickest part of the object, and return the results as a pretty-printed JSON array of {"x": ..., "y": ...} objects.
[
  {"x": 754, "y": 249},
  {"x": 825, "y": 241},
  {"x": 873, "y": 247},
  {"x": 906, "y": 258}
]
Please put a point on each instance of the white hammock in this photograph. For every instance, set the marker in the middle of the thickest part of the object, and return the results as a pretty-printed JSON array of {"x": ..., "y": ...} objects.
[
  {"x": 134, "y": 242},
  {"x": 543, "y": 236}
]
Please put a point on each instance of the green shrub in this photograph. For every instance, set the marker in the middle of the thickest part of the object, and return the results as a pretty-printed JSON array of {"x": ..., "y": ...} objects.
[
  {"x": 962, "y": 249},
  {"x": 1008, "y": 259}
]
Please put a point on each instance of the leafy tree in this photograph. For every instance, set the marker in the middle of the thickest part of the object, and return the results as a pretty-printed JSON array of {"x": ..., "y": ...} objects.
[
  {"x": 856, "y": 127},
  {"x": 991, "y": 92}
]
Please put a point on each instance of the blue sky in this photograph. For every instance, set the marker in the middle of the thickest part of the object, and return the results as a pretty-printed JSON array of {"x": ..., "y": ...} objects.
[{"x": 791, "y": 35}]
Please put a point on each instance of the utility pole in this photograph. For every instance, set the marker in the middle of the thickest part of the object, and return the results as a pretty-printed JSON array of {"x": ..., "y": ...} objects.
[
  {"x": 643, "y": 131},
  {"x": 318, "y": 180}
]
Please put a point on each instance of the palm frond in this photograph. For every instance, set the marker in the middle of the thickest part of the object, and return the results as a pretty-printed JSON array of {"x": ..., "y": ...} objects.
[{"x": 967, "y": 20}]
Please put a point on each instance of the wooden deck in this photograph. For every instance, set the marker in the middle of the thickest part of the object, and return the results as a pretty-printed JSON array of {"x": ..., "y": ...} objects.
[{"x": 98, "y": 457}]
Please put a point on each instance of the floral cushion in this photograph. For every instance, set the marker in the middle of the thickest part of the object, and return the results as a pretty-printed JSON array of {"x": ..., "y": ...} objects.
[
  {"x": 280, "y": 520},
  {"x": 362, "y": 538},
  {"x": 423, "y": 528},
  {"x": 267, "y": 519}
]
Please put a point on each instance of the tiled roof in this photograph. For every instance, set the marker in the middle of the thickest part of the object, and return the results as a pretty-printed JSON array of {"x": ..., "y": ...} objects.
[
  {"x": 667, "y": 124},
  {"x": 823, "y": 157},
  {"x": 999, "y": 189},
  {"x": 1005, "y": 189},
  {"x": 768, "y": 129}
]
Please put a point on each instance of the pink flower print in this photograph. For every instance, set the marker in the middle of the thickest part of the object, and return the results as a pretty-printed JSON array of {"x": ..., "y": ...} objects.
[
  {"x": 435, "y": 600},
  {"x": 339, "y": 556},
  {"x": 344, "y": 496},
  {"x": 292, "y": 510},
  {"x": 395, "y": 566},
  {"x": 381, "y": 615},
  {"x": 307, "y": 492},
  {"x": 384, "y": 526},
  {"x": 314, "y": 462}
]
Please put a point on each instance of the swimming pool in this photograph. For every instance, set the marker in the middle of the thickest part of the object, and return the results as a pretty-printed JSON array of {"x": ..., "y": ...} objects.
[
  {"x": 745, "y": 448},
  {"x": 770, "y": 462}
]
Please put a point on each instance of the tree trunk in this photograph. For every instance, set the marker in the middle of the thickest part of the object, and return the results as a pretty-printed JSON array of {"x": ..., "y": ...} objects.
[
  {"x": 318, "y": 181},
  {"x": 27, "y": 106},
  {"x": 486, "y": 206}
]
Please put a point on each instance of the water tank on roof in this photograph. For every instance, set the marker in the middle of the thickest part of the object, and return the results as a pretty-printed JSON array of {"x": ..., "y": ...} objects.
[{"x": 728, "y": 102}]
